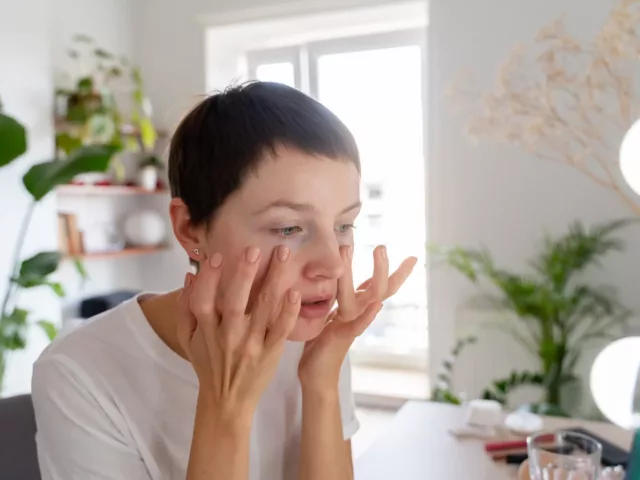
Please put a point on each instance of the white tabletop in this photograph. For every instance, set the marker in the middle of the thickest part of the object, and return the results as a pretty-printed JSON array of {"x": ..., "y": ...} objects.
[{"x": 419, "y": 446}]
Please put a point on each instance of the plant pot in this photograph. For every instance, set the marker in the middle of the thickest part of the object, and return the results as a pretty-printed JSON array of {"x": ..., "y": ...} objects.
[{"x": 148, "y": 178}]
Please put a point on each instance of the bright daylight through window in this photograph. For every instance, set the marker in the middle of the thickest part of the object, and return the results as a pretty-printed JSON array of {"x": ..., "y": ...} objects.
[{"x": 375, "y": 85}]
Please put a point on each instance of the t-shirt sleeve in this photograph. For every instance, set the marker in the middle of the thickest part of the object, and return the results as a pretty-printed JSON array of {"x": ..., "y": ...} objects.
[
  {"x": 77, "y": 433},
  {"x": 350, "y": 423}
]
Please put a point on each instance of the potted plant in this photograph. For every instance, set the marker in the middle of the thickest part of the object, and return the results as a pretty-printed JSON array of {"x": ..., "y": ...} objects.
[
  {"x": 89, "y": 112},
  {"x": 36, "y": 271},
  {"x": 149, "y": 170},
  {"x": 550, "y": 310}
]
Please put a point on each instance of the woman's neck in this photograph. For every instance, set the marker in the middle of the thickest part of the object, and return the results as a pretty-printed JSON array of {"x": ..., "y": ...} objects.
[{"x": 162, "y": 314}]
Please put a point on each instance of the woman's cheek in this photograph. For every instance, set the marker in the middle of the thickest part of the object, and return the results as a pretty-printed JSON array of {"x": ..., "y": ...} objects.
[
  {"x": 346, "y": 239},
  {"x": 268, "y": 245},
  {"x": 294, "y": 243}
]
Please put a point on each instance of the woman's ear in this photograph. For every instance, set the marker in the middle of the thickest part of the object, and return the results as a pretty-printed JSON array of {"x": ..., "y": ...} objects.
[{"x": 189, "y": 236}]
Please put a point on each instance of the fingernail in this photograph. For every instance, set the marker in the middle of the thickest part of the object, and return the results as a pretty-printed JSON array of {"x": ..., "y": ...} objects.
[
  {"x": 216, "y": 260},
  {"x": 383, "y": 252},
  {"x": 283, "y": 253},
  {"x": 293, "y": 296},
  {"x": 252, "y": 254},
  {"x": 187, "y": 281}
]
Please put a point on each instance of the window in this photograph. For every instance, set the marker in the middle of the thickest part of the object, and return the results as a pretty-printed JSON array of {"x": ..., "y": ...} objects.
[{"x": 374, "y": 83}]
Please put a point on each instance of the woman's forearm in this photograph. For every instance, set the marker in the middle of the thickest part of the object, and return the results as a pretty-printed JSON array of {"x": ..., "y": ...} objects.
[
  {"x": 220, "y": 445},
  {"x": 323, "y": 451}
]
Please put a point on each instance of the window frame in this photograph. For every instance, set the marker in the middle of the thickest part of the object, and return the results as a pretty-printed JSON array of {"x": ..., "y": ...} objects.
[
  {"x": 305, "y": 57},
  {"x": 255, "y": 58}
]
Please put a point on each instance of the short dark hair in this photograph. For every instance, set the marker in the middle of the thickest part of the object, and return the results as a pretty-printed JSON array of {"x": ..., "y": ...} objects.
[{"x": 229, "y": 133}]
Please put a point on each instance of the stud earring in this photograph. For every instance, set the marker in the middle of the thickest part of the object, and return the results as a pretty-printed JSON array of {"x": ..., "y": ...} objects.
[{"x": 196, "y": 251}]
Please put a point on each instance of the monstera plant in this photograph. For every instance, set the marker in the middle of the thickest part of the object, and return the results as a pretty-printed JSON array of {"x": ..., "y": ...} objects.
[
  {"x": 550, "y": 309},
  {"x": 36, "y": 271}
]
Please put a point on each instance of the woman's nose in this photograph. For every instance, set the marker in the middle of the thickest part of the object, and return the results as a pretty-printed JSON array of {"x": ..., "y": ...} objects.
[{"x": 326, "y": 261}]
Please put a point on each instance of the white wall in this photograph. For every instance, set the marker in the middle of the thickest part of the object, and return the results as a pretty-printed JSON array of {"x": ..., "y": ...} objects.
[
  {"x": 495, "y": 196},
  {"x": 33, "y": 37}
]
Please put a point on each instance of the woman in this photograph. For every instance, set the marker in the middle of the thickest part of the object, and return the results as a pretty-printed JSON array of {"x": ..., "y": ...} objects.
[{"x": 201, "y": 383}]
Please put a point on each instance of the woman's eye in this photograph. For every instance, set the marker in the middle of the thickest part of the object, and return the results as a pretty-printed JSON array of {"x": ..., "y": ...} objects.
[
  {"x": 287, "y": 231},
  {"x": 345, "y": 228}
]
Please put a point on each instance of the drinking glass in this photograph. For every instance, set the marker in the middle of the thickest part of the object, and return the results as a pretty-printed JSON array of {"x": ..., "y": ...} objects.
[{"x": 563, "y": 455}]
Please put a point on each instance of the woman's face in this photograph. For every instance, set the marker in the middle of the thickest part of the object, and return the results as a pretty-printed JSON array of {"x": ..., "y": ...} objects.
[{"x": 304, "y": 202}]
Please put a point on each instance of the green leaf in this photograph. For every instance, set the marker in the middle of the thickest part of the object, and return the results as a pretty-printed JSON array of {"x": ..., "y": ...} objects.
[
  {"x": 563, "y": 257},
  {"x": 445, "y": 396},
  {"x": 501, "y": 388},
  {"x": 85, "y": 85},
  {"x": 13, "y": 139},
  {"x": 57, "y": 288},
  {"x": 49, "y": 329},
  {"x": 44, "y": 177},
  {"x": 34, "y": 271},
  {"x": 132, "y": 144},
  {"x": 41, "y": 264},
  {"x": 115, "y": 71},
  {"x": 80, "y": 268},
  {"x": 81, "y": 37},
  {"x": 148, "y": 133},
  {"x": 13, "y": 330},
  {"x": 546, "y": 409},
  {"x": 67, "y": 143},
  {"x": 32, "y": 281},
  {"x": 102, "y": 53}
]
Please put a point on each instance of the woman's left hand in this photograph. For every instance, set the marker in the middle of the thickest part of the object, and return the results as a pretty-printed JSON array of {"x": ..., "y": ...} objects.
[{"x": 323, "y": 356}]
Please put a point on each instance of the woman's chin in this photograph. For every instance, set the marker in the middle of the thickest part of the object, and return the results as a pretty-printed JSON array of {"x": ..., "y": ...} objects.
[{"x": 307, "y": 329}]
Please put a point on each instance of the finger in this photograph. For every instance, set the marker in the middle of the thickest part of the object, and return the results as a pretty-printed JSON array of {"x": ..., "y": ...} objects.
[
  {"x": 270, "y": 299},
  {"x": 237, "y": 293},
  {"x": 347, "y": 306},
  {"x": 397, "y": 279},
  {"x": 187, "y": 322},
  {"x": 379, "y": 282},
  {"x": 203, "y": 293},
  {"x": 360, "y": 324},
  {"x": 286, "y": 321}
]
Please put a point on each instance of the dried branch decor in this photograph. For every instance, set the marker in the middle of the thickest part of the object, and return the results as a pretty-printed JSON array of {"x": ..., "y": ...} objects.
[{"x": 566, "y": 100}]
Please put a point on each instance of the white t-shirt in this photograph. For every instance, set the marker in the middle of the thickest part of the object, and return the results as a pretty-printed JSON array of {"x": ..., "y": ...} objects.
[{"x": 113, "y": 402}]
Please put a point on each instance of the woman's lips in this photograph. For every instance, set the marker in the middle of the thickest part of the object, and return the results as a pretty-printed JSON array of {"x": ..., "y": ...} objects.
[{"x": 316, "y": 309}]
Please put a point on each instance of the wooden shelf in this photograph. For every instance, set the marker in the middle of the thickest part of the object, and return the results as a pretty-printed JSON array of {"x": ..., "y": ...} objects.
[
  {"x": 106, "y": 190},
  {"x": 128, "y": 251}
]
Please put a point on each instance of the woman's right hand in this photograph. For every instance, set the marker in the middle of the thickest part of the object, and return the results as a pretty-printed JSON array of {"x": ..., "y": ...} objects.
[{"x": 235, "y": 354}]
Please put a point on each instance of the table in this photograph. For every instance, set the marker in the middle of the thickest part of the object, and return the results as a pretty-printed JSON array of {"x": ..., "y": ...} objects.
[{"x": 418, "y": 446}]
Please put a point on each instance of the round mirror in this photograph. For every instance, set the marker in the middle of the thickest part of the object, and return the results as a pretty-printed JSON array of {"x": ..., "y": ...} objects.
[
  {"x": 614, "y": 379},
  {"x": 630, "y": 157}
]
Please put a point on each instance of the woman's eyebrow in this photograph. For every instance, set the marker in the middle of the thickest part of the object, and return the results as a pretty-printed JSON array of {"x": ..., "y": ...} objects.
[{"x": 301, "y": 207}]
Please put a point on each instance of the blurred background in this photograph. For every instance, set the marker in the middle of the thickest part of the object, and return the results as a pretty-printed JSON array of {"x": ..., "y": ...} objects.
[{"x": 489, "y": 132}]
